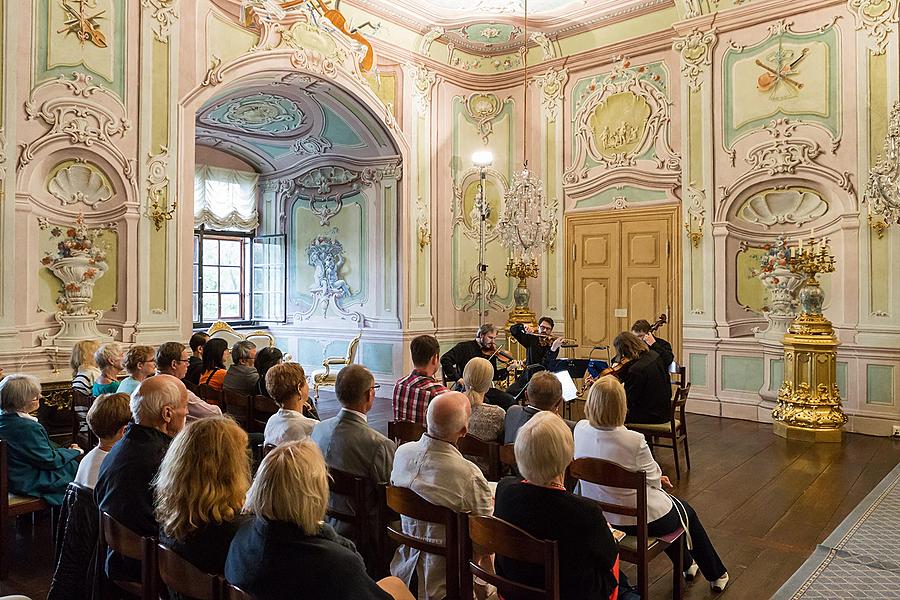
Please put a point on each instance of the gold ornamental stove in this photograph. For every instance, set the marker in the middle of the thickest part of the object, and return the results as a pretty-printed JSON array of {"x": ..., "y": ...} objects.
[{"x": 809, "y": 402}]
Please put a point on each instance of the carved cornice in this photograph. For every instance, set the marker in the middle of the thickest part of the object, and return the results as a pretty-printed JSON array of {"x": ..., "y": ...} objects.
[
  {"x": 695, "y": 50},
  {"x": 164, "y": 13}
]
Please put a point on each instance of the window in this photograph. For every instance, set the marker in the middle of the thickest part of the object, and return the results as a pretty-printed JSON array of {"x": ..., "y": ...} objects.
[
  {"x": 268, "y": 278},
  {"x": 221, "y": 285}
]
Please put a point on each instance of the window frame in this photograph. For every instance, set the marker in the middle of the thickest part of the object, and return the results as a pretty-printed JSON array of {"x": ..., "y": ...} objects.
[{"x": 246, "y": 284}]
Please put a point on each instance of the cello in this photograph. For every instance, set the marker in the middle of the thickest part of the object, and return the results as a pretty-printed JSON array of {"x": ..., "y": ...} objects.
[{"x": 618, "y": 369}]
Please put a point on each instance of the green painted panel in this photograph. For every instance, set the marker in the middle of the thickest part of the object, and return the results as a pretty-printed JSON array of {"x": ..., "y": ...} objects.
[
  {"x": 751, "y": 293},
  {"x": 309, "y": 352},
  {"x": 742, "y": 373},
  {"x": 842, "y": 378},
  {"x": 776, "y": 374},
  {"x": 696, "y": 372},
  {"x": 338, "y": 131},
  {"x": 379, "y": 357},
  {"x": 630, "y": 193},
  {"x": 160, "y": 94},
  {"x": 158, "y": 266},
  {"x": 880, "y": 384}
]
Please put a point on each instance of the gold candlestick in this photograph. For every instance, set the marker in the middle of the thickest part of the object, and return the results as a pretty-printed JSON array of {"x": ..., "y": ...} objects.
[{"x": 521, "y": 269}]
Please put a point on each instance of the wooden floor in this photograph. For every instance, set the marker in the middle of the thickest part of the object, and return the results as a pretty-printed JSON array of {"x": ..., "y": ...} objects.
[{"x": 766, "y": 502}]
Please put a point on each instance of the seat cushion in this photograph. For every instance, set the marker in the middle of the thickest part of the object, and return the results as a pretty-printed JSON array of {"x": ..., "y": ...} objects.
[
  {"x": 661, "y": 427},
  {"x": 20, "y": 500},
  {"x": 322, "y": 379},
  {"x": 629, "y": 543}
]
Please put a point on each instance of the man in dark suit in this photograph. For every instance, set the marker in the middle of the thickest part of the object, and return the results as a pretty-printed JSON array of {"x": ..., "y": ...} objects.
[
  {"x": 541, "y": 350},
  {"x": 159, "y": 408},
  {"x": 454, "y": 361}
]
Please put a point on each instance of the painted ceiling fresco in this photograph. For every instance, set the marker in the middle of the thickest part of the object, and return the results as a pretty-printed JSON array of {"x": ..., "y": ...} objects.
[{"x": 278, "y": 122}]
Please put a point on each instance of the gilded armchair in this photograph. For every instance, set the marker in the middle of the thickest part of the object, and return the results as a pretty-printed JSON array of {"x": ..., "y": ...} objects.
[{"x": 328, "y": 376}]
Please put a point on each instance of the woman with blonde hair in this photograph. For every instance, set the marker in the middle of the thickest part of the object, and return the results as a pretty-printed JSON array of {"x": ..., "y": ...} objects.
[
  {"x": 109, "y": 360},
  {"x": 140, "y": 362},
  {"x": 486, "y": 421},
  {"x": 200, "y": 490},
  {"x": 84, "y": 369},
  {"x": 603, "y": 435},
  {"x": 287, "y": 551}
]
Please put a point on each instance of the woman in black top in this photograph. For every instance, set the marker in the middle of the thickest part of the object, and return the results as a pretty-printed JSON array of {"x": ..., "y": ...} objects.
[
  {"x": 541, "y": 506},
  {"x": 265, "y": 359},
  {"x": 286, "y": 551},
  {"x": 200, "y": 489}
]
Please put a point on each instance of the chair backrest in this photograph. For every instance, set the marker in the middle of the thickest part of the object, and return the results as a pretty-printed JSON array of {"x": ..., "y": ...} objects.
[
  {"x": 237, "y": 405},
  {"x": 221, "y": 329},
  {"x": 230, "y": 592},
  {"x": 262, "y": 339},
  {"x": 184, "y": 578},
  {"x": 488, "y": 451},
  {"x": 679, "y": 402},
  {"x": 130, "y": 544},
  {"x": 405, "y": 431},
  {"x": 409, "y": 504},
  {"x": 678, "y": 375},
  {"x": 261, "y": 408},
  {"x": 496, "y": 536},
  {"x": 210, "y": 394},
  {"x": 352, "y": 347},
  {"x": 353, "y": 487},
  {"x": 508, "y": 455}
]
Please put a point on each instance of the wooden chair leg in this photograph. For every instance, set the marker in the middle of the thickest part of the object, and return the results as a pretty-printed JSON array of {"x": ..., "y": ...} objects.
[
  {"x": 5, "y": 546},
  {"x": 643, "y": 569},
  {"x": 677, "y": 462},
  {"x": 687, "y": 454},
  {"x": 677, "y": 575}
]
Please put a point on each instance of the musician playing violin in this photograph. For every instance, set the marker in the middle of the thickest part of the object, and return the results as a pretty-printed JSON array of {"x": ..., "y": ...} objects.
[
  {"x": 541, "y": 350},
  {"x": 484, "y": 345}
]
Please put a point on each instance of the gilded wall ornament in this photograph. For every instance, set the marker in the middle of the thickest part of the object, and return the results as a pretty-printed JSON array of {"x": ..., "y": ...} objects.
[
  {"x": 158, "y": 209},
  {"x": 82, "y": 182},
  {"x": 883, "y": 185},
  {"x": 695, "y": 50},
  {"x": 214, "y": 75},
  {"x": 85, "y": 27},
  {"x": 544, "y": 43},
  {"x": 422, "y": 79},
  {"x": 877, "y": 18},
  {"x": 696, "y": 215}
]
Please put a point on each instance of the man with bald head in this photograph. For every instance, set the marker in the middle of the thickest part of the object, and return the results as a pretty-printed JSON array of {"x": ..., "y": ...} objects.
[
  {"x": 435, "y": 470},
  {"x": 159, "y": 407}
]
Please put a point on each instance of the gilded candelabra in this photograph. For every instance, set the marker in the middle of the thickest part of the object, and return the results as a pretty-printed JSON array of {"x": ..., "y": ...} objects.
[
  {"x": 521, "y": 269},
  {"x": 809, "y": 402}
]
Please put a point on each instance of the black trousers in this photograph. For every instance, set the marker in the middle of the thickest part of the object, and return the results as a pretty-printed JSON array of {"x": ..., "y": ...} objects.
[
  {"x": 703, "y": 552},
  {"x": 500, "y": 398}
]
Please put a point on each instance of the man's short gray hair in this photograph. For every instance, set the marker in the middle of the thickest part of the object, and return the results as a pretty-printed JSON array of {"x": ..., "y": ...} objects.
[
  {"x": 446, "y": 421},
  {"x": 241, "y": 350},
  {"x": 17, "y": 391},
  {"x": 148, "y": 401}
]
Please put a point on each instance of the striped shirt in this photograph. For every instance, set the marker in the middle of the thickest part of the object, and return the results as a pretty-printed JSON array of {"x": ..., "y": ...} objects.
[{"x": 412, "y": 395}]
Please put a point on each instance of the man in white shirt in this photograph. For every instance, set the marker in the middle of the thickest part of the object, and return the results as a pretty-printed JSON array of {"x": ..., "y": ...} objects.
[
  {"x": 435, "y": 470},
  {"x": 107, "y": 418},
  {"x": 289, "y": 388},
  {"x": 172, "y": 358}
]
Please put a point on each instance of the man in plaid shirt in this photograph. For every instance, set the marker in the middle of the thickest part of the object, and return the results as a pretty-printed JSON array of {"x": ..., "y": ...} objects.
[{"x": 413, "y": 393}]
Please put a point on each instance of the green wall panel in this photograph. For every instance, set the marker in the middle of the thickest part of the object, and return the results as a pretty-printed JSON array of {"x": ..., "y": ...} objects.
[
  {"x": 379, "y": 357},
  {"x": 742, "y": 373},
  {"x": 776, "y": 374},
  {"x": 696, "y": 373},
  {"x": 842, "y": 379},
  {"x": 879, "y": 384}
]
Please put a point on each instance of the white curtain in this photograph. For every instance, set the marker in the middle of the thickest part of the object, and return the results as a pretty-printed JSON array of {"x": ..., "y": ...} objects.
[{"x": 225, "y": 198}]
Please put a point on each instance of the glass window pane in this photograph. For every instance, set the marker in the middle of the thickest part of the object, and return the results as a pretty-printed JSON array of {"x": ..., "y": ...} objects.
[
  {"x": 230, "y": 279},
  {"x": 196, "y": 308},
  {"x": 196, "y": 278},
  {"x": 230, "y": 252},
  {"x": 259, "y": 280},
  {"x": 231, "y": 306},
  {"x": 211, "y": 252},
  {"x": 210, "y": 307},
  {"x": 259, "y": 304},
  {"x": 210, "y": 279},
  {"x": 259, "y": 253},
  {"x": 196, "y": 248}
]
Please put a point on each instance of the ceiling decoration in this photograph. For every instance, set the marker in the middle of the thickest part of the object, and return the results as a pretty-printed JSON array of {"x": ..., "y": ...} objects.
[{"x": 257, "y": 113}]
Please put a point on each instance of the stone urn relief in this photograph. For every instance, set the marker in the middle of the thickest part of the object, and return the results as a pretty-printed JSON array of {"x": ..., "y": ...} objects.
[
  {"x": 781, "y": 286},
  {"x": 79, "y": 261}
]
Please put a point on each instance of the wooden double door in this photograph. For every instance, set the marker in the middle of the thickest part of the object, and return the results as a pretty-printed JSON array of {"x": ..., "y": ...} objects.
[{"x": 623, "y": 266}]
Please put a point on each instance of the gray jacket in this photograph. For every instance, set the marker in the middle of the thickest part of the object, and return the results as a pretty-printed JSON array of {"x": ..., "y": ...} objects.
[
  {"x": 517, "y": 416},
  {"x": 241, "y": 379}
]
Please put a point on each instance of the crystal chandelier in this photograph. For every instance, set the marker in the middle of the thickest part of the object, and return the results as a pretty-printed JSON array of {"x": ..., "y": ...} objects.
[
  {"x": 883, "y": 188},
  {"x": 528, "y": 223}
]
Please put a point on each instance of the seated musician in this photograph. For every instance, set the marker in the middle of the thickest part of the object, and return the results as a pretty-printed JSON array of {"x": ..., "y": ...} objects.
[
  {"x": 454, "y": 361},
  {"x": 642, "y": 329},
  {"x": 541, "y": 350},
  {"x": 648, "y": 389}
]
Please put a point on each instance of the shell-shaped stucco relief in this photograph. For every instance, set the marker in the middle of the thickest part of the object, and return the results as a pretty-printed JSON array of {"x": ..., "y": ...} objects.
[
  {"x": 80, "y": 182},
  {"x": 780, "y": 207}
]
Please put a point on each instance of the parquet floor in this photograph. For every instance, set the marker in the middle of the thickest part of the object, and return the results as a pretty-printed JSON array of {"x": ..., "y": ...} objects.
[{"x": 766, "y": 502}]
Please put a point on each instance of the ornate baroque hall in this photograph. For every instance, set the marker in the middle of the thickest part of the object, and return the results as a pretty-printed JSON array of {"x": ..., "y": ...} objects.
[{"x": 602, "y": 194}]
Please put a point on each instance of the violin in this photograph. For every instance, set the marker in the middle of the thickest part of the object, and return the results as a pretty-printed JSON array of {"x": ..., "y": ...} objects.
[
  {"x": 505, "y": 360},
  {"x": 619, "y": 369}
]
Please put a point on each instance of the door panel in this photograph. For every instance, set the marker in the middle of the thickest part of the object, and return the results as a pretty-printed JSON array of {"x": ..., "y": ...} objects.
[
  {"x": 596, "y": 263},
  {"x": 596, "y": 328}
]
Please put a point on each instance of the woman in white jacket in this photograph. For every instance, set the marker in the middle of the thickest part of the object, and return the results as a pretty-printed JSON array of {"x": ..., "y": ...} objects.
[{"x": 604, "y": 436}]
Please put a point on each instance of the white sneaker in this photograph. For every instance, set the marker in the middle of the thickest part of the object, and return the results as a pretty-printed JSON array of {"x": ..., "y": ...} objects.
[
  {"x": 719, "y": 584},
  {"x": 691, "y": 572}
]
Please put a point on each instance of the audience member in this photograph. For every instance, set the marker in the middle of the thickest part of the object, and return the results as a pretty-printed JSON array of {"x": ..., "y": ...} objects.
[
  {"x": 200, "y": 490},
  {"x": 214, "y": 363},
  {"x": 84, "y": 369},
  {"x": 413, "y": 392},
  {"x": 286, "y": 551},
  {"x": 349, "y": 444},
  {"x": 242, "y": 376},
  {"x": 172, "y": 359},
  {"x": 541, "y": 506},
  {"x": 140, "y": 362},
  {"x": 486, "y": 421},
  {"x": 35, "y": 466},
  {"x": 159, "y": 408},
  {"x": 195, "y": 366},
  {"x": 434, "y": 469},
  {"x": 109, "y": 360},
  {"x": 265, "y": 359},
  {"x": 107, "y": 418},
  {"x": 543, "y": 392},
  {"x": 288, "y": 386},
  {"x": 604, "y": 436}
]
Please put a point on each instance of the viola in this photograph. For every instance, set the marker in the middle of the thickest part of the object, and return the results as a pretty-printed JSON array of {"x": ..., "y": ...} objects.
[{"x": 619, "y": 369}]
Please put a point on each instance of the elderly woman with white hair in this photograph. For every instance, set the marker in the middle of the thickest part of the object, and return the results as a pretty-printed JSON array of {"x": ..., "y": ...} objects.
[
  {"x": 603, "y": 435},
  {"x": 541, "y": 506},
  {"x": 36, "y": 466},
  {"x": 109, "y": 360},
  {"x": 286, "y": 551}
]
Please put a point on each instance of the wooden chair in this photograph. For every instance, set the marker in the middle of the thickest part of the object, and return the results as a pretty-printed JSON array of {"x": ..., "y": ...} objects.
[
  {"x": 409, "y": 504},
  {"x": 12, "y": 506},
  {"x": 354, "y": 488},
  {"x": 261, "y": 408},
  {"x": 364, "y": 496},
  {"x": 675, "y": 430},
  {"x": 237, "y": 405},
  {"x": 678, "y": 376},
  {"x": 496, "y": 536},
  {"x": 637, "y": 549},
  {"x": 327, "y": 376},
  {"x": 121, "y": 539},
  {"x": 405, "y": 431},
  {"x": 230, "y": 592},
  {"x": 507, "y": 455},
  {"x": 489, "y": 452},
  {"x": 210, "y": 394},
  {"x": 181, "y": 577}
]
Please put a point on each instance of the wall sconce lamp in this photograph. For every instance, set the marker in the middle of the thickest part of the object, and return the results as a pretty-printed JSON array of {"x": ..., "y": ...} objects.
[{"x": 158, "y": 213}]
